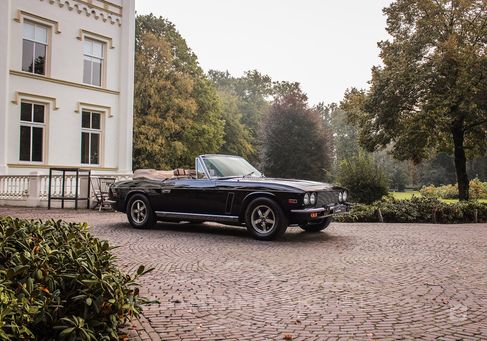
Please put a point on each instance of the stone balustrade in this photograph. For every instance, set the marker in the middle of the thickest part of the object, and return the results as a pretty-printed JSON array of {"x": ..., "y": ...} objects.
[{"x": 32, "y": 190}]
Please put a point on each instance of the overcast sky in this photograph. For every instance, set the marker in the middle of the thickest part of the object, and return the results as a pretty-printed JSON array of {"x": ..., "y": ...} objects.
[{"x": 327, "y": 46}]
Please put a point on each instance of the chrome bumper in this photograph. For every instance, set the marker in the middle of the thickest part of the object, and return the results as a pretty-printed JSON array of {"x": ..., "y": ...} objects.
[{"x": 328, "y": 210}]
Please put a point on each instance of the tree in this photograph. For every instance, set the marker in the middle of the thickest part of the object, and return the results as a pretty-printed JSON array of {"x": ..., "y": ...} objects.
[
  {"x": 295, "y": 142},
  {"x": 345, "y": 136},
  {"x": 238, "y": 140},
  {"x": 249, "y": 95},
  {"x": 177, "y": 112},
  {"x": 438, "y": 170},
  {"x": 363, "y": 178},
  {"x": 431, "y": 92},
  {"x": 477, "y": 168}
]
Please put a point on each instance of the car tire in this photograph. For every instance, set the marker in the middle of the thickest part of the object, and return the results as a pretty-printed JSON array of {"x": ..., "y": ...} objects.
[
  {"x": 316, "y": 227},
  {"x": 139, "y": 212},
  {"x": 265, "y": 219}
]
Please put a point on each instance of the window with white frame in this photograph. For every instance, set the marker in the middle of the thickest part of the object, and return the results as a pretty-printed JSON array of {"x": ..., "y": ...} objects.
[
  {"x": 93, "y": 61},
  {"x": 32, "y": 127},
  {"x": 34, "y": 48},
  {"x": 90, "y": 137}
]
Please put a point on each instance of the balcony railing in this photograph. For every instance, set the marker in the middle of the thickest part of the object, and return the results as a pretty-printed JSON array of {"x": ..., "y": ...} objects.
[
  {"x": 32, "y": 190},
  {"x": 14, "y": 187}
]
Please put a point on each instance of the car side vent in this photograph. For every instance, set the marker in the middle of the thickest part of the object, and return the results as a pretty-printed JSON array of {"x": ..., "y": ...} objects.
[{"x": 228, "y": 206}]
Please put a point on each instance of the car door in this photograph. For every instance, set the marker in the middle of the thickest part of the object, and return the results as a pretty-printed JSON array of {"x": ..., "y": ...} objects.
[
  {"x": 191, "y": 195},
  {"x": 186, "y": 196}
]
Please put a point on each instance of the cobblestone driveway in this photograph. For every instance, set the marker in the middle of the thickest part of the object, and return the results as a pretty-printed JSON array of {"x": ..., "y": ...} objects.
[{"x": 354, "y": 281}]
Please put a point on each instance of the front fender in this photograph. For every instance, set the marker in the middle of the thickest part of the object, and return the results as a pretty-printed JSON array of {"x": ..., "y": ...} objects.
[{"x": 251, "y": 196}]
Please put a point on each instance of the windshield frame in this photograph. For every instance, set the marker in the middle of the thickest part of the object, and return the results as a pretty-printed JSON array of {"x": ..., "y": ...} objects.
[{"x": 201, "y": 158}]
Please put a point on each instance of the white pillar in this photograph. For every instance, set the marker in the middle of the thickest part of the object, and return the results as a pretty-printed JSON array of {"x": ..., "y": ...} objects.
[
  {"x": 85, "y": 187},
  {"x": 34, "y": 198},
  {"x": 5, "y": 23},
  {"x": 126, "y": 98}
]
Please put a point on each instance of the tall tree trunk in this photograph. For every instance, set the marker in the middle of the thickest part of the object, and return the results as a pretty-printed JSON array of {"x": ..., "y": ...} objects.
[{"x": 458, "y": 134}]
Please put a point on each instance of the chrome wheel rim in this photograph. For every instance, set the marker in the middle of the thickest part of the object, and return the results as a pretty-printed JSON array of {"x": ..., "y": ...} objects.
[
  {"x": 138, "y": 211},
  {"x": 263, "y": 219}
]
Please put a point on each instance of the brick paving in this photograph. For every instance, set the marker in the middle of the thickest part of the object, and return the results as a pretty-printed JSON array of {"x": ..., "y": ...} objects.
[{"x": 354, "y": 281}]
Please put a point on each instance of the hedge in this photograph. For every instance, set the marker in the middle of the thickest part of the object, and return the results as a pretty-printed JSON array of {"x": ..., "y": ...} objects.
[
  {"x": 478, "y": 190},
  {"x": 417, "y": 210},
  {"x": 59, "y": 282}
]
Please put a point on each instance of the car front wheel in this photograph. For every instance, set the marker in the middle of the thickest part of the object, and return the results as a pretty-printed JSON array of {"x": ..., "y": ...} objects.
[
  {"x": 139, "y": 212},
  {"x": 265, "y": 219},
  {"x": 316, "y": 227}
]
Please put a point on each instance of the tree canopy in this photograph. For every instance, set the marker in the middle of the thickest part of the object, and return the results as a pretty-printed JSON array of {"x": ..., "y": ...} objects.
[
  {"x": 431, "y": 92},
  {"x": 246, "y": 101},
  {"x": 177, "y": 111},
  {"x": 345, "y": 142},
  {"x": 296, "y": 143}
]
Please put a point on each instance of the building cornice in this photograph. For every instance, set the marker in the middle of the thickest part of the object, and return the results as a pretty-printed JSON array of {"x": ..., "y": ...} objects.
[
  {"x": 98, "y": 9},
  {"x": 45, "y": 166},
  {"x": 62, "y": 82}
]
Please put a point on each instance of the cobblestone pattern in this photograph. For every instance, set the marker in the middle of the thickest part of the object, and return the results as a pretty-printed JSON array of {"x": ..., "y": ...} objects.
[{"x": 353, "y": 281}]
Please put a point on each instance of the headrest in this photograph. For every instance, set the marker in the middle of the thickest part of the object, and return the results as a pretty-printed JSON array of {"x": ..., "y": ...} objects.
[{"x": 180, "y": 172}]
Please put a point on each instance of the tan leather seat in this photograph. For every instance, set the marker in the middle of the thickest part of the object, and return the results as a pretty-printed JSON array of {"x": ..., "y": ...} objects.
[
  {"x": 180, "y": 172},
  {"x": 153, "y": 174}
]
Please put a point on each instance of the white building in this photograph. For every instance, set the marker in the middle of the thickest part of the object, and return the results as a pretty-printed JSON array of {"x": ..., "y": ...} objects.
[{"x": 66, "y": 85}]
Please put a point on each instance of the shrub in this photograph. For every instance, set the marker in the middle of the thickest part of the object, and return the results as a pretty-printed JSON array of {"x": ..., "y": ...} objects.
[
  {"x": 478, "y": 190},
  {"x": 417, "y": 210},
  {"x": 59, "y": 282},
  {"x": 365, "y": 181}
]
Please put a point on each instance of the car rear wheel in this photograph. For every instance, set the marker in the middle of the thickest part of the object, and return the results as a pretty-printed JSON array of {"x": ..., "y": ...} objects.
[
  {"x": 316, "y": 227},
  {"x": 139, "y": 212},
  {"x": 265, "y": 219}
]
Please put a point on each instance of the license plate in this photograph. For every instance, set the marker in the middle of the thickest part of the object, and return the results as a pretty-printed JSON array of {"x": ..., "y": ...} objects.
[{"x": 338, "y": 209}]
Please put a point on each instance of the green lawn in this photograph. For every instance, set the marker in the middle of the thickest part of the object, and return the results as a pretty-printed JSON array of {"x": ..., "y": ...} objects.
[
  {"x": 409, "y": 195},
  {"x": 405, "y": 195}
]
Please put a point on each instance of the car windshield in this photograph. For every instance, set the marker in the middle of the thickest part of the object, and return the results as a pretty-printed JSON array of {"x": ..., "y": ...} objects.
[{"x": 220, "y": 166}]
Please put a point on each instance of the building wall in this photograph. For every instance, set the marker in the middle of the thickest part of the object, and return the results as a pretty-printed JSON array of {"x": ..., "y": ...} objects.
[{"x": 62, "y": 88}]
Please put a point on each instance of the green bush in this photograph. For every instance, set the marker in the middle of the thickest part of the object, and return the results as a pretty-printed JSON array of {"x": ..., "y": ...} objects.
[
  {"x": 417, "y": 210},
  {"x": 478, "y": 190},
  {"x": 365, "y": 181},
  {"x": 59, "y": 282}
]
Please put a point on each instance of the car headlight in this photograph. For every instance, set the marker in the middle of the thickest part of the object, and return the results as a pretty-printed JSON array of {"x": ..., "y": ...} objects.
[
  {"x": 340, "y": 196},
  {"x": 345, "y": 195},
  {"x": 312, "y": 198},
  {"x": 306, "y": 199}
]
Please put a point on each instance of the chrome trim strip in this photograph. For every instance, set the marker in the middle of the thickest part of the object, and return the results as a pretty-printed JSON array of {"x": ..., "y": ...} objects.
[
  {"x": 329, "y": 208},
  {"x": 210, "y": 217},
  {"x": 310, "y": 210},
  {"x": 204, "y": 167}
]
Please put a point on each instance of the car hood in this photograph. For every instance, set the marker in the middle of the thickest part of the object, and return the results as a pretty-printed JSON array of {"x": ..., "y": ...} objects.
[{"x": 304, "y": 185}]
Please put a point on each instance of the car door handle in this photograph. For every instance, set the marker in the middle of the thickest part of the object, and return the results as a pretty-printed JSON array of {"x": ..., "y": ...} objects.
[{"x": 165, "y": 191}]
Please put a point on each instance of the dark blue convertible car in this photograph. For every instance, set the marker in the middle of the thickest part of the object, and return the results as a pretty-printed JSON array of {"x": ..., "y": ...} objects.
[{"x": 227, "y": 189}]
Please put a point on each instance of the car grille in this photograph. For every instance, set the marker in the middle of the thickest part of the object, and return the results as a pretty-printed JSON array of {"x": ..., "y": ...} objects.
[{"x": 325, "y": 198}]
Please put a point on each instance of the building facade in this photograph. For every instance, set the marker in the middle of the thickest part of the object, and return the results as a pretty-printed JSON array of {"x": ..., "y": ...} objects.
[{"x": 66, "y": 85}]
